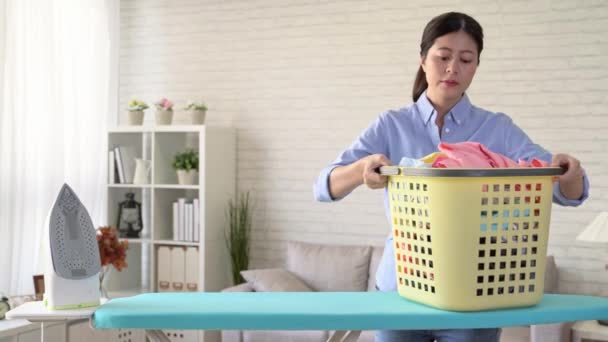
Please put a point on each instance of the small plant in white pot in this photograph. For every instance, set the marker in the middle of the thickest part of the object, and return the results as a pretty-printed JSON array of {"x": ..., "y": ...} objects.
[
  {"x": 186, "y": 164},
  {"x": 164, "y": 112},
  {"x": 196, "y": 112},
  {"x": 135, "y": 115}
]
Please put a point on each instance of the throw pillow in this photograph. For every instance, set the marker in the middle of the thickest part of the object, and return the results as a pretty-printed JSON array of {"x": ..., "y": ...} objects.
[
  {"x": 330, "y": 267},
  {"x": 274, "y": 280}
]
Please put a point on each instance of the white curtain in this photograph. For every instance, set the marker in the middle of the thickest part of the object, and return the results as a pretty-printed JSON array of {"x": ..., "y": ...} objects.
[{"x": 55, "y": 69}]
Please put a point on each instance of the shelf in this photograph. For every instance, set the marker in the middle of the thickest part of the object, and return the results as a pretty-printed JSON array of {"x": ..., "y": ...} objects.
[
  {"x": 137, "y": 240},
  {"x": 136, "y": 186},
  {"x": 149, "y": 129},
  {"x": 177, "y": 186},
  {"x": 130, "y": 129},
  {"x": 178, "y": 128},
  {"x": 215, "y": 186},
  {"x": 157, "y": 186},
  {"x": 175, "y": 243}
]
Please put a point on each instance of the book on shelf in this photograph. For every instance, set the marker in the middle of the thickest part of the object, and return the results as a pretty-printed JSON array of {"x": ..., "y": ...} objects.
[
  {"x": 111, "y": 168},
  {"x": 196, "y": 215},
  {"x": 181, "y": 208},
  {"x": 175, "y": 220},
  {"x": 119, "y": 165},
  {"x": 186, "y": 220},
  {"x": 125, "y": 163},
  {"x": 189, "y": 223}
]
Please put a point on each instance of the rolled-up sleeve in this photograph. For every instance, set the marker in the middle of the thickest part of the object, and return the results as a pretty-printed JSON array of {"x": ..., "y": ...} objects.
[
  {"x": 522, "y": 147},
  {"x": 371, "y": 141},
  {"x": 560, "y": 199},
  {"x": 321, "y": 186}
]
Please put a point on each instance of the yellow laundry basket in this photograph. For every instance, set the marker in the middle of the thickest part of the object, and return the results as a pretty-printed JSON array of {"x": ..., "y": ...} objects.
[{"x": 470, "y": 239}]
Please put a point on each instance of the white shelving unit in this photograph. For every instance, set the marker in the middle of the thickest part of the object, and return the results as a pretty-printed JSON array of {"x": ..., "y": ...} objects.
[{"x": 216, "y": 185}]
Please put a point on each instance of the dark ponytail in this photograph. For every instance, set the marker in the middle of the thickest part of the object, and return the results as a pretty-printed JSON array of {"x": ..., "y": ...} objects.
[
  {"x": 420, "y": 84},
  {"x": 440, "y": 26}
]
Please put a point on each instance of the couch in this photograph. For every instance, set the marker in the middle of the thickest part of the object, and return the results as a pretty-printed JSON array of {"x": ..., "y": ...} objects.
[{"x": 321, "y": 267}]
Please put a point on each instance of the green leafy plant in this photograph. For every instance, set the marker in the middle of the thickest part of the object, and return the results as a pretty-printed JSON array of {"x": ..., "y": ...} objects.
[
  {"x": 238, "y": 234},
  {"x": 136, "y": 105},
  {"x": 186, "y": 161},
  {"x": 194, "y": 105}
]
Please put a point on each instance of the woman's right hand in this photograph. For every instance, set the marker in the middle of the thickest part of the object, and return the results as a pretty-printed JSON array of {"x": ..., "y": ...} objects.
[{"x": 371, "y": 177}]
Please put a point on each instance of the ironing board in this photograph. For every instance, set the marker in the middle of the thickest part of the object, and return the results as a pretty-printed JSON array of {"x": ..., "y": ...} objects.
[
  {"x": 345, "y": 312},
  {"x": 36, "y": 312}
]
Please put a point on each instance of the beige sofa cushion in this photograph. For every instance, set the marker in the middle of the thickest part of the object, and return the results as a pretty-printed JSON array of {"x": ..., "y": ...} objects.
[
  {"x": 274, "y": 280},
  {"x": 330, "y": 267}
]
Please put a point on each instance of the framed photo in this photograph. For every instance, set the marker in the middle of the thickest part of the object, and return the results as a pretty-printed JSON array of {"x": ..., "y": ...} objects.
[{"x": 39, "y": 286}]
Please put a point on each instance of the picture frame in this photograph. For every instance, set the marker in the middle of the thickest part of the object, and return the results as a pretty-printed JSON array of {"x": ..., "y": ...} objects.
[{"x": 39, "y": 286}]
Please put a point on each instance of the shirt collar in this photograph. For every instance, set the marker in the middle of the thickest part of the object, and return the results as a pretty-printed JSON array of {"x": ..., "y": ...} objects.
[{"x": 458, "y": 113}]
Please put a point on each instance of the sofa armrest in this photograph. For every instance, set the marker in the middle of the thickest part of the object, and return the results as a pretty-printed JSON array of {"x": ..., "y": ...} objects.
[
  {"x": 244, "y": 287},
  {"x": 558, "y": 332}
]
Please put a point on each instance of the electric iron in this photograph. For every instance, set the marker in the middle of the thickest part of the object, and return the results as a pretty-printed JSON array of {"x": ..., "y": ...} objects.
[{"x": 72, "y": 270}]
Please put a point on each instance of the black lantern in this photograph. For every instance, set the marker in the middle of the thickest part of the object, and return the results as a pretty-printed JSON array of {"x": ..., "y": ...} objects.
[{"x": 129, "y": 217}]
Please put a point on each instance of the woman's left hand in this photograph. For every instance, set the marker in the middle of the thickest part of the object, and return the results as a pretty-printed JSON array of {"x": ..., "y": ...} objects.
[{"x": 571, "y": 182}]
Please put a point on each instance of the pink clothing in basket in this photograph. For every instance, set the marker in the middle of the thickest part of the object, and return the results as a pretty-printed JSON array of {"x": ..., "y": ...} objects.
[{"x": 475, "y": 155}]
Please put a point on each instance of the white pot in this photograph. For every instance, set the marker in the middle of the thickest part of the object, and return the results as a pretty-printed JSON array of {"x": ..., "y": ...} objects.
[
  {"x": 135, "y": 118},
  {"x": 164, "y": 117},
  {"x": 197, "y": 117},
  {"x": 187, "y": 177}
]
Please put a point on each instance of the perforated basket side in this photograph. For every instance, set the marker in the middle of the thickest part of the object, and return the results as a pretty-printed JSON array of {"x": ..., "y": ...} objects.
[{"x": 470, "y": 243}]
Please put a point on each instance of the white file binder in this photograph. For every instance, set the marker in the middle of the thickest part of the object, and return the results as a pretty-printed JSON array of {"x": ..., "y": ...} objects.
[
  {"x": 192, "y": 269},
  {"x": 163, "y": 269},
  {"x": 178, "y": 269}
]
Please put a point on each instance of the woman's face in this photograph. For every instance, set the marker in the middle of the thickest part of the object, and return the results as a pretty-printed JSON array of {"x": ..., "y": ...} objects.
[{"x": 450, "y": 65}]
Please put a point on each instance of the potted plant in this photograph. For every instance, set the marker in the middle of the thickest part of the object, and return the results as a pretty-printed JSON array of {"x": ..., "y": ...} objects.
[
  {"x": 135, "y": 114},
  {"x": 164, "y": 112},
  {"x": 186, "y": 164},
  {"x": 238, "y": 234},
  {"x": 196, "y": 111}
]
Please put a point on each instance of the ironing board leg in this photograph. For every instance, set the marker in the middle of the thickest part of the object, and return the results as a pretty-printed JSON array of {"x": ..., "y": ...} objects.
[
  {"x": 344, "y": 336},
  {"x": 157, "y": 336}
]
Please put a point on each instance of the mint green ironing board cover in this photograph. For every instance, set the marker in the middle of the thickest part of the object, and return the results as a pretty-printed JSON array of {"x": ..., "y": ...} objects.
[{"x": 325, "y": 311}]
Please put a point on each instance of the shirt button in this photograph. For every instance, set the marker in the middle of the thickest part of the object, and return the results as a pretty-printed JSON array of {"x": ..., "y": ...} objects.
[
  {"x": 457, "y": 121},
  {"x": 447, "y": 130}
]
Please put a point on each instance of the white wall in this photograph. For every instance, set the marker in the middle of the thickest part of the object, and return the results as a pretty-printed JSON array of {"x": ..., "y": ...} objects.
[{"x": 300, "y": 79}]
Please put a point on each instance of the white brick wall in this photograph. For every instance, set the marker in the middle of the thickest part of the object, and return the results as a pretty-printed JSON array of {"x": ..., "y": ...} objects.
[{"x": 300, "y": 79}]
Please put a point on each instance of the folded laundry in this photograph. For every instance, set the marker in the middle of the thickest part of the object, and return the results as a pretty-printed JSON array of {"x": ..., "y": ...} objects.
[
  {"x": 426, "y": 161},
  {"x": 476, "y": 155},
  {"x": 468, "y": 154}
]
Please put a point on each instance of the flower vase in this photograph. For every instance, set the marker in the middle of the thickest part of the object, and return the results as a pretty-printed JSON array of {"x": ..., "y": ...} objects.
[
  {"x": 187, "y": 177},
  {"x": 197, "y": 117},
  {"x": 103, "y": 281},
  {"x": 164, "y": 117},
  {"x": 136, "y": 117}
]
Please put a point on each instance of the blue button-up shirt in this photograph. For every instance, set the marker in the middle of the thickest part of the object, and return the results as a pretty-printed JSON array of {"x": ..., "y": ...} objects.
[{"x": 412, "y": 132}]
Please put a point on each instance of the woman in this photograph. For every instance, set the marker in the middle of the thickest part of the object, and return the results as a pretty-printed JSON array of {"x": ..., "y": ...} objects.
[{"x": 449, "y": 55}]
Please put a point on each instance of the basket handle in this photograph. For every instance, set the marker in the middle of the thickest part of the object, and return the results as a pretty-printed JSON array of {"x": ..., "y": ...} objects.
[
  {"x": 389, "y": 170},
  {"x": 394, "y": 170}
]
